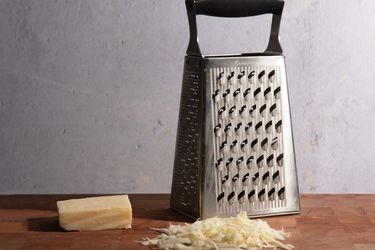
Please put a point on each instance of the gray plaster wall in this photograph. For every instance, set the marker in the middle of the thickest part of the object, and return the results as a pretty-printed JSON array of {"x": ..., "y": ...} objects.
[{"x": 89, "y": 91}]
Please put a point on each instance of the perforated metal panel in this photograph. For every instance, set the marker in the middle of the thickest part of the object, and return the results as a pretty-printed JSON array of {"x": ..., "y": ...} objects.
[
  {"x": 187, "y": 165},
  {"x": 234, "y": 148},
  {"x": 248, "y": 143}
]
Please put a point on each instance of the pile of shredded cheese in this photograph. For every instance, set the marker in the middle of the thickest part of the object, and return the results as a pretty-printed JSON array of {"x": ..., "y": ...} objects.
[{"x": 234, "y": 233}]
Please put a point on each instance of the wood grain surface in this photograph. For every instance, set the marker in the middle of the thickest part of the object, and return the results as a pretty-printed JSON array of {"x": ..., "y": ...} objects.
[{"x": 326, "y": 222}]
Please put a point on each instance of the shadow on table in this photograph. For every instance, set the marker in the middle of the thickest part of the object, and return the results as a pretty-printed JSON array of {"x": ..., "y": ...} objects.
[
  {"x": 163, "y": 214},
  {"x": 44, "y": 224}
]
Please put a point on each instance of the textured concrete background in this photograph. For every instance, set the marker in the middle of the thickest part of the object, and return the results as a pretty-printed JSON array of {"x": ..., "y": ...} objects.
[{"x": 89, "y": 91}]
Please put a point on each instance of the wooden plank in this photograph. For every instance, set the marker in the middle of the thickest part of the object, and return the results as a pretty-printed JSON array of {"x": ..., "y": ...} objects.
[{"x": 325, "y": 222}]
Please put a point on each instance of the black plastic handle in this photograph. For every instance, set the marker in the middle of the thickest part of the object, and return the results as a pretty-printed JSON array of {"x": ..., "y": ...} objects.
[
  {"x": 238, "y": 8},
  {"x": 234, "y": 8}
]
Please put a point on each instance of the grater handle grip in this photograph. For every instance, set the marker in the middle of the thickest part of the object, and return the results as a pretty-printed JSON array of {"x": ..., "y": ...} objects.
[
  {"x": 238, "y": 8},
  {"x": 234, "y": 8}
]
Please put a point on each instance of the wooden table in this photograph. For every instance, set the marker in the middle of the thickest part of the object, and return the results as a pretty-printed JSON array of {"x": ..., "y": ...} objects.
[{"x": 326, "y": 222}]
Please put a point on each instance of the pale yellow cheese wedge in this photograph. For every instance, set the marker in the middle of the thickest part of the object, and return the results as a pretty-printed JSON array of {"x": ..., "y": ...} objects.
[{"x": 96, "y": 213}]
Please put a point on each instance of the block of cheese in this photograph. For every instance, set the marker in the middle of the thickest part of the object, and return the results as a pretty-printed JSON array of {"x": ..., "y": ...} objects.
[{"x": 96, "y": 213}]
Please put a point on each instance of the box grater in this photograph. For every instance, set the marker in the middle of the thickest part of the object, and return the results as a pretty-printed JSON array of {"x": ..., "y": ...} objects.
[{"x": 234, "y": 149}]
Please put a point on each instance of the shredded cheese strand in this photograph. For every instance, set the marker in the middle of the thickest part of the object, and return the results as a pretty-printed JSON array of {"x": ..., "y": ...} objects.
[{"x": 234, "y": 233}]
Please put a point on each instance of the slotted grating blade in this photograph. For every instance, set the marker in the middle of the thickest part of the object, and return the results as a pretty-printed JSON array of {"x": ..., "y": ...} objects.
[{"x": 248, "y": 143}]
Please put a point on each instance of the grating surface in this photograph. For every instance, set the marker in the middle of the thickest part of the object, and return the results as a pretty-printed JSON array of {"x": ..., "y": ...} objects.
[
  {"x": 185, "y": 187},
  {"x": 248, "y": 143}
]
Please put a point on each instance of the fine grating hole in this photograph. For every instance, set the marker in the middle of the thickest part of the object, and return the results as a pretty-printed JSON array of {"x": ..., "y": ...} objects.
[
  {"x": 232, "y": 113},
  {"x": 278, "y": 126},
  {"x": 250, "y": 161},
  {"x": 248, "y": 126},
  {"x": 251, "y": 195},
  {"x": 227, "y": 127},
  {"x": 281, "y": 193},
  {"x": 245, "y": 178},
  {"x": 235, "y": 93},
  {"x": 224, "y": 179},
  {"x": 227, "y": 92},
  {"x": 252, "y": 110},
  {"x": 235, "y": 178},
  {"x": 239, "y": 160},
  {"x": 247, "y": 91},
  {"x": 218, "y": 162},
  {"x": 220, "y": 198},
  {"x": 230, "y": 197},
  {"x": 251, "y": 74},
  {"x": 256, "y": 92},
  {"x": 266, "y": 177},
  {"x": 260, "y": 161},
  {"x": 271, "y": 194},
  {"x": 263, "y": 144},
  {"x": 276, "y": 92},
  {"x": 222, "y": 145},
  {"x": 217, "y": 127},
  {"x": 232, "y": 109},
  {"x": 276, "y": 177},
  {"x": 261, "y": 194},
  {"x": 233, "y": 145},
  {"x": 271, "y": 74},
  {"x": 230, "y": 75},
  {"x": 229, "y": 161},
  {"x": 221, "y": 110},
  {"x": 279, "y": 160},
  {"x": 270, "y": 160},
  {"x": 240, "y": 196},
  {"x": 274, "y": 143},
  {"x": 268, "y": 127},
  {"x": 220, "y": 75},
  {"x": 267, "y": 92},
  {"x": 256, "y": 178},
  {"x": 273, "y": 109},
  {"x": 262, "y": 109},
  {"x": 215, "y": 93},
  {"x": 258, "y": 127},
  {"x": 239, "y": 76},
  {"x": 261, "y": 74},
  {"x": 243, "y": 143},
  {"x": 242, "y": 109},
  {"x": 238, "y": 126}
]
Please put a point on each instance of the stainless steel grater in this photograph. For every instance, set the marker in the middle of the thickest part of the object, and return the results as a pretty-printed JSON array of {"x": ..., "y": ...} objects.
[{"x": 234, "y": 149}]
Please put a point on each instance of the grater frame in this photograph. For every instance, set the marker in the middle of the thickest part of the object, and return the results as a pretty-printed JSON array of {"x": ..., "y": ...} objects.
[{"x": 193, "y": 188}]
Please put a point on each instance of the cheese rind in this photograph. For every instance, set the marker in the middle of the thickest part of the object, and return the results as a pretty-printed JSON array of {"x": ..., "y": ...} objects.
[{"x": 95, "y": 213}]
